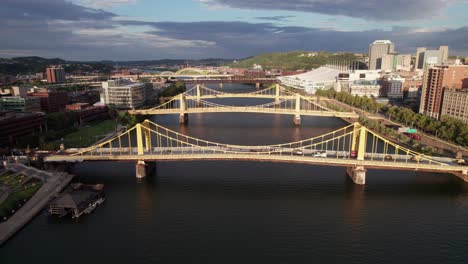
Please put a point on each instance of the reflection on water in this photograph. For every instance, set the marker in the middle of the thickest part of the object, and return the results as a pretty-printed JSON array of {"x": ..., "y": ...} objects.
[{"x": 354, "y": 207}]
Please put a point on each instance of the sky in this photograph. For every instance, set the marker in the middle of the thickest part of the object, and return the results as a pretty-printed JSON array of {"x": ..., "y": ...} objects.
[{"x": 195, "y": 29}]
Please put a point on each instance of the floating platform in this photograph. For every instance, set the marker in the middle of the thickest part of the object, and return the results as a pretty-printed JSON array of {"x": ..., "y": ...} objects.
[{"x": 77, "y": 200}]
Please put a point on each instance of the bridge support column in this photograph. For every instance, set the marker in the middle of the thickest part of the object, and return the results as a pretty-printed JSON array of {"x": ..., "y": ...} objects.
[
  {"x": 357, "y": 174},
  {"x": 257, "y": 85},
  {"x": 144, "y": 169},
  {"x": 463, "y": 175},
  {"x": 183, "y": 118},
  {"x": 221, "y": 85},
  {"x": 297, "y": 120},
  {"x": 277, "y": 94}
]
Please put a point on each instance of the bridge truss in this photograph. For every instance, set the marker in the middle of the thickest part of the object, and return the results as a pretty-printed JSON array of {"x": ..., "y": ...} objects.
[
  {"x": 353, "y": 146},
  {"x": 195, "y": 100}
]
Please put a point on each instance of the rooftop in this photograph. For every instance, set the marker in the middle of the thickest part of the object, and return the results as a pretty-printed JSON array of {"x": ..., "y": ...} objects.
[{"x": 382, "y": 42}]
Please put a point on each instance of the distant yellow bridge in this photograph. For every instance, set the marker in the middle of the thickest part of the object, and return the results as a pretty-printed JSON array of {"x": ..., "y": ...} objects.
[
  {"x": 285, "y": 103},
  {"x": 354, "y": 147}
]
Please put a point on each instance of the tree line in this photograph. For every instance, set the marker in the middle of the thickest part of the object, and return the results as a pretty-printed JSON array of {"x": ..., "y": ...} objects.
[{"x": 447, "y": 128}]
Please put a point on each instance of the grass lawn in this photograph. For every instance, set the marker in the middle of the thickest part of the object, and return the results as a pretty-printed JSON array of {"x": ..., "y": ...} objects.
[
  {"x": 88, "y": 134},
  {"x": 15, "y": 199}
]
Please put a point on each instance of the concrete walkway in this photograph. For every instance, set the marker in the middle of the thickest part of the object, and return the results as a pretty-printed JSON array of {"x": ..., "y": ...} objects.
[{"x": 53, "y": 183}]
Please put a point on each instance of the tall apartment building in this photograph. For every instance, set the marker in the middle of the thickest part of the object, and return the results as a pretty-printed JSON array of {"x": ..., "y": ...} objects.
[
  {"x": 425, "y": 56},
  {"x": 55, "y": 74},
  {"x": 377, "y": 51},
  {"x": 51, "y": 100},
  {"x": 392, "y": 86},
  {"x": 455, "y": 104},
  {"x": 436, "y": 80},
  {"x": 124, "y": 94}
]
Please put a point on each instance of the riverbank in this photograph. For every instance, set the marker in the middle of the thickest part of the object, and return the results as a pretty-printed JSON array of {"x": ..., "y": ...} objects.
[{"x": 53, "y": 183}]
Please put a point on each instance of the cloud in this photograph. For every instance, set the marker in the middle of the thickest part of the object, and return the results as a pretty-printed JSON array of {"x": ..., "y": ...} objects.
[
  {"x": 58, "y": 28},
  {"x": 241, "y": 39},
  {"x": 106, "y": 3},
  {"x": 275, "y": 18},
  {"x": 49, "y": 9},
  {"x": 367, "y": 9}
]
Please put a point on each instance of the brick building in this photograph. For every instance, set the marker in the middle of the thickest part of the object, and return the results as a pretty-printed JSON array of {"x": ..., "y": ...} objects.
[
  {"x": 14, "y": 125},
  {"x": 51, "y": 100},
  {"x": 436, "y": 80},
  {"x": 89, "y": 113},
  {"x": 55, "y": 74}
]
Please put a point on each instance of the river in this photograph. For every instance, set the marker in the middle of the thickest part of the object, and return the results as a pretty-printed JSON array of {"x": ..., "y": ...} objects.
[{"x": 243, "y": 212}]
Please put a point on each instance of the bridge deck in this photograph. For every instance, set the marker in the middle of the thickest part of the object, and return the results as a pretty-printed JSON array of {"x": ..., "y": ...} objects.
[
  {"x": 334, "y": 158},
  {"x": 241, "y": 109}
]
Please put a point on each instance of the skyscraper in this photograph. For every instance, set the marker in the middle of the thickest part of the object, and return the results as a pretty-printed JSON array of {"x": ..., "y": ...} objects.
[
  {"x": 436, "y": 80},
  {"x": 55, "y": 74},
  {"x": 425, "y": 56},
  {"x": 377, "y": 51}
]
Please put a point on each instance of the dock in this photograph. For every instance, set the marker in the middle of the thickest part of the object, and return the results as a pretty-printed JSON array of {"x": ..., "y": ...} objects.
[{"x": 76, "y": 200}]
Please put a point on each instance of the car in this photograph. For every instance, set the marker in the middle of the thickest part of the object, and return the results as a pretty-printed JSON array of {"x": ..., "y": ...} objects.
[
  {"x": 320, "y": 154},
  {"x": 353, "y": 154},
  {"x": 389, "y": 157},
  {"x": 344, "y": 155},
  {"x": 298, "y": 152}
]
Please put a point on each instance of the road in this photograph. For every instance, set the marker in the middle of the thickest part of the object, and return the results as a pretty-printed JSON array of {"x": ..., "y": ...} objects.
[{"x": 427, "y": 139}]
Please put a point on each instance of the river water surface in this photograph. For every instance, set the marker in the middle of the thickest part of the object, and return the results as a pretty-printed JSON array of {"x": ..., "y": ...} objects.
[{"x": 242, "y": 212}]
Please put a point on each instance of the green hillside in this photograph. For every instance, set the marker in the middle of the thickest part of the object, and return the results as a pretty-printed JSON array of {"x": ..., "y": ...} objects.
[
  {"x": 295, "y": 60},
  {"x": 26, "y": 65}
]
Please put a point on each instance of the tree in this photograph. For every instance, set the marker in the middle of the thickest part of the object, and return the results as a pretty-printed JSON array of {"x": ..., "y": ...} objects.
[{"x": 127, "y": 119}]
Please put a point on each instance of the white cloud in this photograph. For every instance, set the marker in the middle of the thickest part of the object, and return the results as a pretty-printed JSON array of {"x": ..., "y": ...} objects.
[{"x": 105, "y": 3}]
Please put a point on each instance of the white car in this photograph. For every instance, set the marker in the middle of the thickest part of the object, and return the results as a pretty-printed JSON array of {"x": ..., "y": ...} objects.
[
  {"x": 322, "y": 154},
  {"x": 298, "y": 152}
]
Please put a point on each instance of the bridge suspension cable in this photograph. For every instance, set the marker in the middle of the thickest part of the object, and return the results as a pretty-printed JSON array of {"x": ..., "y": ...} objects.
[{"x": 353, "y": 142}]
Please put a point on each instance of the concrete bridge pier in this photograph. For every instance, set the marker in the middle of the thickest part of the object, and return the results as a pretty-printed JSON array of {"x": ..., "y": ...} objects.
[
  {"x": 144, "y": 169},
  {"x": 297, "y": 120},
  {"x": 183, "y": 118},
  {"x": 221, "y": 85},
  {"x": 357, "y": 174},
  {"x": 463, "y": 175}
]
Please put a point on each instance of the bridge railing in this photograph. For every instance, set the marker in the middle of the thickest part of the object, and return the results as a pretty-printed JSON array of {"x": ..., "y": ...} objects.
[{"x": 351, "y": 142}]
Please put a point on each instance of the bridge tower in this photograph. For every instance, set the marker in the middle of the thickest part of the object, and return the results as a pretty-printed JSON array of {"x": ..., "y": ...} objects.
[
  {"x": 198, "y": 103},
  {"x": 358, "y": 151},
  {"x": 277, "y": 93},
  {"x": 183, "y": 116},
  {"x": 143, "y": 168},
  {"x": 297, "y": 116}
]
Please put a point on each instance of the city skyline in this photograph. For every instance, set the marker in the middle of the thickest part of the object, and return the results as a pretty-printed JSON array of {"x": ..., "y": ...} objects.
[{"x": 195, "y": 29}]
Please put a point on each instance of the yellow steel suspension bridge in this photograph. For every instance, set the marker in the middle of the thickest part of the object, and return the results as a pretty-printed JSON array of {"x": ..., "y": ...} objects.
[
  {"x": 285, "y": 102},
  {"x": 354, "y": 147}
]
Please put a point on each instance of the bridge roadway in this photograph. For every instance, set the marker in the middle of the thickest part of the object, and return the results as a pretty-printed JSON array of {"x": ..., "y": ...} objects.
[
  {"x": 244, "y": 109},
  {"x": 251, "y": 95},
  {"x": 333, "y": 158},
  {"x": 232, "y": 80}
]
